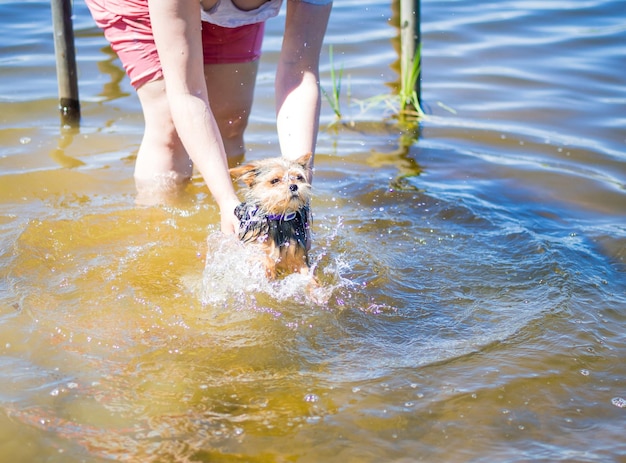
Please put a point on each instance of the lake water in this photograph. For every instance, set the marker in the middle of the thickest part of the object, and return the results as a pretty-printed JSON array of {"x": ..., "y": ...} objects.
[{"x": 473, "y": 300}]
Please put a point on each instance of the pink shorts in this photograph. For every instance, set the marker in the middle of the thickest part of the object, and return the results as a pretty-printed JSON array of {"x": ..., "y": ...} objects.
[{"x": 131, "y": 38}]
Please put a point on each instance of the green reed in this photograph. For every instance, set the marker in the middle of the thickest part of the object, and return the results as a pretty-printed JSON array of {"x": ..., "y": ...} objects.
[
  {"x": 409, "y": 101},
  {"x": 404, "y": 103},
  {"x": 335, "y": 77}
]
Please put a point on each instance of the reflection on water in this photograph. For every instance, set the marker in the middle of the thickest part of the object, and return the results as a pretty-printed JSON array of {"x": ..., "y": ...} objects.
[
  {"x": 472, "y": 299},
  {"x": 58, "y": 154}
]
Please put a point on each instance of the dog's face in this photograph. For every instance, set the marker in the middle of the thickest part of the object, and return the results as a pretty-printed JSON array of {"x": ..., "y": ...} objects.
[{"x": 279, "y": 186}]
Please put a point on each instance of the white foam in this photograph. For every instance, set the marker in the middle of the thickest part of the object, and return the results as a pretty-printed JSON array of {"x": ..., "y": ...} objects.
[{"x": 234, "y": 274}]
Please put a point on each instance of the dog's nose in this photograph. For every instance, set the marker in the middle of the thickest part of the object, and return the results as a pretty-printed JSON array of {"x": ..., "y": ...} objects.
[{"x": 293, "y": 187}]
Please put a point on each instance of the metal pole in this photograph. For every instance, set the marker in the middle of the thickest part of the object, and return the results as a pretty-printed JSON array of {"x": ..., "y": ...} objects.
[
  {"x": 69, "y": 105},
  {"x": 410, "y": 40}
]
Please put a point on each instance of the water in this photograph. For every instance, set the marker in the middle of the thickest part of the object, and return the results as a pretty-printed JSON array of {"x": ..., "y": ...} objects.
[{"x": 473, "y": 297}]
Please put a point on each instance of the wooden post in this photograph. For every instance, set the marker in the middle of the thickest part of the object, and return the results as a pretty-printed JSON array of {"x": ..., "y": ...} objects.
[
  {"x": 410, "y": 40},
  {"x": 67, "y": 79}
]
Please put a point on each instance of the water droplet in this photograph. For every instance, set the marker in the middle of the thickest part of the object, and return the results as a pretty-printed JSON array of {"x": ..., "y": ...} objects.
[
  {"x": 261, "y": 402},
  {"x": 311, "y": 398},
  {"x": 584, "y": 372},
  {"x": 619, "y": 402},
  {"x": 25, "y": 140}
]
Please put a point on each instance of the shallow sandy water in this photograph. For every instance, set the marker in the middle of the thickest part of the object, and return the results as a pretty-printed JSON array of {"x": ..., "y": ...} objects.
[{"x": 473, "y": 303}]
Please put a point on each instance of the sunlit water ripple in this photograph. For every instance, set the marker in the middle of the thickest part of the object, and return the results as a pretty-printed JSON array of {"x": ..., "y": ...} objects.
[{"x": 472, "y": 299}]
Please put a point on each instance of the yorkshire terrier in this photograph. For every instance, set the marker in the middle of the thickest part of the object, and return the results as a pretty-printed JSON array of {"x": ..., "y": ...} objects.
[{"x": 276, "y": 213}]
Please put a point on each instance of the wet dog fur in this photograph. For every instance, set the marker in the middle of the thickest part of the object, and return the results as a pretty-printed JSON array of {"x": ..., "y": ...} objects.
[{"x": 275, "y": 213}]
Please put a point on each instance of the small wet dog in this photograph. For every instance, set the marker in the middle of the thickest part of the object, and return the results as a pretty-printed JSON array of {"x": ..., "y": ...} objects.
[{"x": 276, "y": 213}]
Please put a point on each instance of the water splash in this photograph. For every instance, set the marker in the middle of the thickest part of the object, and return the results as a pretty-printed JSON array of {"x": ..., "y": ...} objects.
[
  {"x": 230, "y": 269},
  {"x": 234, "y": 275}
]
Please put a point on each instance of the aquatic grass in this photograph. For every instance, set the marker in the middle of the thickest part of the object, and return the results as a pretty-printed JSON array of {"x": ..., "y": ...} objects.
[
  {"x": 335, "y": 78},
  {"x": 409, "y": 100},
  {"x": 404, "y": 104}
]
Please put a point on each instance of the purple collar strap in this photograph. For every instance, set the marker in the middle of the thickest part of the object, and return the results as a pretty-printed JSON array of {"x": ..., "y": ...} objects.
[{"x": 282, "y": 217}]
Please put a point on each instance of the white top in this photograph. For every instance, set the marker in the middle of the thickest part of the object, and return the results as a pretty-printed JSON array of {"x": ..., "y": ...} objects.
[{"x": 226, "y": 14}]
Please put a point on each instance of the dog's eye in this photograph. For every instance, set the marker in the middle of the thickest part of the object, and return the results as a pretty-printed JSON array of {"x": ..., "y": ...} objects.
[
  {"x": 300, "y": 178},
  {"x": 274, "y": 181}
]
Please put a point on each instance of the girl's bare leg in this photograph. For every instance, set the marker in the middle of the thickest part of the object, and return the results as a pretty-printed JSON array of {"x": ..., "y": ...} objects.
[
  {"x": 162, "y": 167},
  {"x": 231, "y": 91}
]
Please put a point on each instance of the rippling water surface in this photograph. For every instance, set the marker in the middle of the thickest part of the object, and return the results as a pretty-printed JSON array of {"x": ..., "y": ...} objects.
[{"x": 473, "y": 297}]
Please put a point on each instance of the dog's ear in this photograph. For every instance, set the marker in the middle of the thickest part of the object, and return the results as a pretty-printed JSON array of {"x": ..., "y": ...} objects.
[
  {"x": 305, "y": 161},
  {"x": 245, "y": 173}
]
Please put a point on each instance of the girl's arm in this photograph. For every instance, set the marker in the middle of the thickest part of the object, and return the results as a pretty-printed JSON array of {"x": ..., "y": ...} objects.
[
  {"x": 177, "y": 32},
  {"x": 297, "y": 78}
]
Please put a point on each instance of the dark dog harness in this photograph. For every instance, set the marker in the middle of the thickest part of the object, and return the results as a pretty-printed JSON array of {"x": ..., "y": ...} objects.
[{"x": 281, "y": 229}]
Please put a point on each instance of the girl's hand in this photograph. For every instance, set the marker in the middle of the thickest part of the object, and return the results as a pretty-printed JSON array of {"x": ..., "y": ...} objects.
[{"x": 229, "y": 221}]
